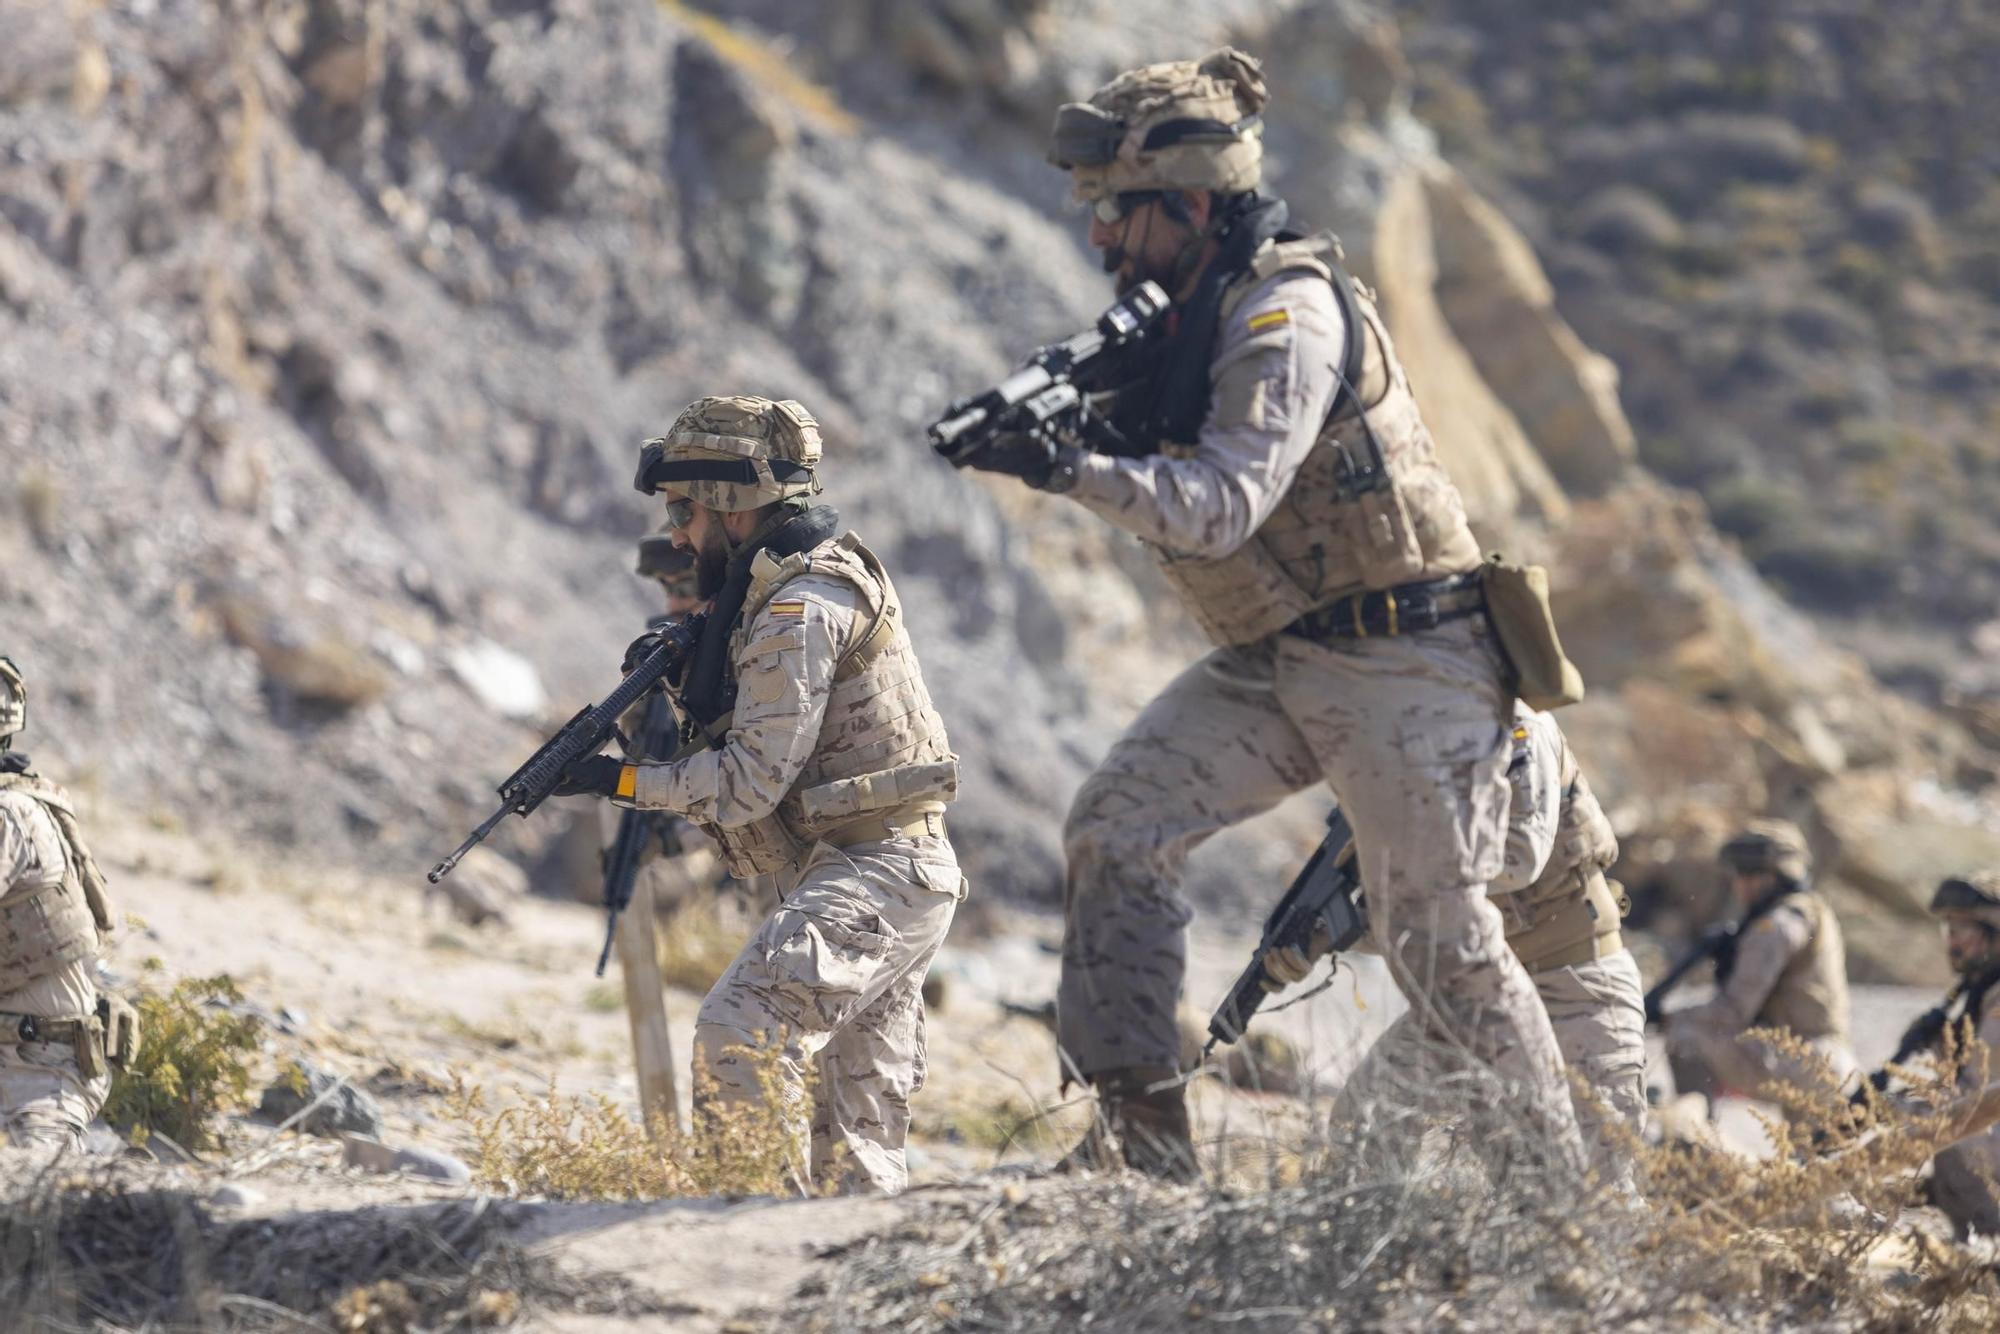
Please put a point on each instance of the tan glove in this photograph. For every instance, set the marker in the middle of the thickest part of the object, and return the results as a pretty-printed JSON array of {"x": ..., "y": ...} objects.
[{"x": 1286, "y": 965}]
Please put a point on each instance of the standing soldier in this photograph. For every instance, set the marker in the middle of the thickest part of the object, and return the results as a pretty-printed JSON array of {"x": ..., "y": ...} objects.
[
  {"x": 58, "y": 1037},
  {"x": 1287, "y": 485},
  {"x": 1785, "y": 969},
  {"x": 815, "y": 757},
  {"x": 1562, "y": 918}
]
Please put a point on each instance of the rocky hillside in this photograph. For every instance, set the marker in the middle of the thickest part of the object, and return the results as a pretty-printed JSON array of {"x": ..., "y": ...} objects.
[
  {"x": 1781, "y": 221},
  {"x": 328, "y": 329}
]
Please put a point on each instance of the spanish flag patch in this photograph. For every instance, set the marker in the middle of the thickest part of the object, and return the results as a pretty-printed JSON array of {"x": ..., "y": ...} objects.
[
  {"x": 789, "y": 607},
  {"x": 1270, "y": 319}
]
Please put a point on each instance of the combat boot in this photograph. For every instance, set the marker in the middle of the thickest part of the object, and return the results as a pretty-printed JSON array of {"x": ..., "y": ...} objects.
[{"x": 1139, "y": 1124}]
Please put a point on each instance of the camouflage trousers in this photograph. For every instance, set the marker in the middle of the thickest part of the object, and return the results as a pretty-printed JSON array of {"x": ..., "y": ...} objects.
[
  {"x": 1712, "y": 1063},
  {"x": 1410, "y": 733},
  {"x": 1404, "y": 1085},
  {"x": 832, "y": 983},
  {"x": 44, "y": 1098}
]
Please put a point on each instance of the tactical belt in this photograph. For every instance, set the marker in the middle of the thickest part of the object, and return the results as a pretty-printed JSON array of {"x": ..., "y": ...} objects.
[
  {"x": 1402, "y": 610},
  {"x": 37, "y": 1028},
  {"x": 902, "y": 822},
  {"x": 1597, "y": 947}
]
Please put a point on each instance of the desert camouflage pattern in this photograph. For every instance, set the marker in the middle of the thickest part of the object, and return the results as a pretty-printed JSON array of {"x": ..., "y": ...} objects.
[
  {"x": 13, "y": 701},
  {"x": 1791, "y": 974},
  {"x": 1965, "y": 1179},
  {"x": 1248, "y": 522},
  {"x": 733, "y": 427},
  {"x": 1402, "y": 1087},
  {"x": 51, "y": 941},
  {"x": 833, "y": 734},
  {"x": 1412, "y": 734},
  {"x": 833, "y": 778},
  {"x": 1224, "y": 86},
  {"x": 1552, "y": 893},
  {"x": 834, "y": 979}
]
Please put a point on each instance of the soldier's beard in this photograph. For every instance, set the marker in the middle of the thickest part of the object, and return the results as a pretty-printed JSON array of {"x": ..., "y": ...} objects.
[{"x": 711, "y": 562}]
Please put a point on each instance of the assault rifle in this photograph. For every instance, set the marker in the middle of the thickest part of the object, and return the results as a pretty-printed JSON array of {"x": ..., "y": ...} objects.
[
  {"x": 582, "y": 736},
  {"x": 1326, "y": 890},
  {"x": 1717, "y": 943},
  {"x": 1049, "y": 395},
  {"x": 637, "y": 829}
]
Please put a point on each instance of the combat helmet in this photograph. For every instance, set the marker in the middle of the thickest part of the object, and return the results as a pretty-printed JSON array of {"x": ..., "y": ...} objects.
[
  {"x": 1975, "y": 895},
  {"x": 1768, "y": 845},
  {"x": 734, "y": 453},
  {"x": 1179, "y": 125},
  {"x": 13, "y": 702}
]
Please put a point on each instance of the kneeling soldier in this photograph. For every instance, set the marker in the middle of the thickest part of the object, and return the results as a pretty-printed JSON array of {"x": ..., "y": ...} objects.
[
  {"x": 1965, "y": 1178},
  {"x": 57, "y": 1035},
  {"x": 1786, "y": 969},
  {"x": 1562, "y": 919},
  {"x": 813, "y": 756}
]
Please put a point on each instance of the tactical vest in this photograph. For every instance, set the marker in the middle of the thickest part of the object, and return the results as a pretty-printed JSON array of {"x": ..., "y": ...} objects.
[
  {"x": 1570, "y": 913},
  {"x": 881, "y": 761},
  {"x": 1328, "y": 539},
  {"x": 1810, "y": 997},
  {"x": 55, "y": 917}
]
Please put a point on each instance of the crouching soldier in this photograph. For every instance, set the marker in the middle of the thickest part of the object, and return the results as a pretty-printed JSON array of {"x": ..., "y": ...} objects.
[
  {"x": 58, "y": 1037},
  {"x": 813, "y": 756},
  {"x": 1965, "y": 1178},
  {"x": 1785, "y": 968},
  {"x": 1562, "y": 918}
]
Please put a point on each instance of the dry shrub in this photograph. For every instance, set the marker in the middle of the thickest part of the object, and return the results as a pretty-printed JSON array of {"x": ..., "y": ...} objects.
[
  {"x": 587, "y": 1148},
  {"x": 194, "y": 1061},
  {"x": 1371, "y": 1228},
  {"x": 102, "y": 1251},
  {"x": 1798, "y": 1228}
]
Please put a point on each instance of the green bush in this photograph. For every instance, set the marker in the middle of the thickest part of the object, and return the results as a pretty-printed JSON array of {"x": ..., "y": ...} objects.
[{"x": 193, "y": 1062}]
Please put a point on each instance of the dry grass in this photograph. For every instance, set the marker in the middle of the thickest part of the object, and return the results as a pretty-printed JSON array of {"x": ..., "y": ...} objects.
[
  {"x": 568, "y": 1148},
  {"x": 103, "y": 1252},
  {"x": 1296, "y": 1230}
]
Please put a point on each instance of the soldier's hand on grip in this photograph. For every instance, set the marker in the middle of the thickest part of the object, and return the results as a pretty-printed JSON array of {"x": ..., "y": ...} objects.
[
  {"x": 1287, "y": 965},
  {"x": 594, "y": 776},
  {"x": 1018, "y": 454}
]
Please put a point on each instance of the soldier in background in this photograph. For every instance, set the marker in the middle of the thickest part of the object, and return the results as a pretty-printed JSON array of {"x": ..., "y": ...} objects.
[
  {"x": 813, "y": 756},
  {"x": 58, "y": 1037},
  {"x": 1966, "y": 1176},
  {"x": 1786, "y": 970}
]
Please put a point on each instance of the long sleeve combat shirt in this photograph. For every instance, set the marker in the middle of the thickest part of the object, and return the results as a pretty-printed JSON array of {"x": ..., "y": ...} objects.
[
  {"x": 1273, "y": 378},
  {"x": 784, "y": 675},
  {"x": 1534, "y": 782}
]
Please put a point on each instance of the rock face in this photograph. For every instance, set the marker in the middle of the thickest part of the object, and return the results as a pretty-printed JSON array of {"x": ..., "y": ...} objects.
[{"x": 328, "y": 330}]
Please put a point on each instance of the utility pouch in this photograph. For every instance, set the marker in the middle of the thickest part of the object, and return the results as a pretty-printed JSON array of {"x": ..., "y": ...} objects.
[
  {"x": 1517, "y": 603},
  {"x": 120, "y": 1023},
  {"x": 89, "y": 1048}
]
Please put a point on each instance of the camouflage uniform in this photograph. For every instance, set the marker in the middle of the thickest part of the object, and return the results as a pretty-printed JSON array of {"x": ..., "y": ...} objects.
[
  {"x": 53, "y": 917},
  {"x": 1789, "y": 973},
  {"x": 832, "y": 778},
  {"x": 1253, "y": 521},
  {"x": 1562, "y": 921},
  {"x": 1965, "y": 1178}
]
